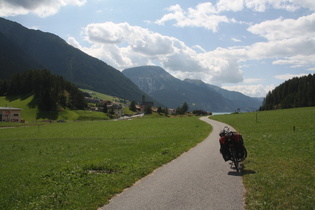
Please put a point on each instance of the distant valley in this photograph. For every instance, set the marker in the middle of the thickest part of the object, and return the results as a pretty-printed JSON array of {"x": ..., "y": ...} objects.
[{"x": 172, "y": 92}]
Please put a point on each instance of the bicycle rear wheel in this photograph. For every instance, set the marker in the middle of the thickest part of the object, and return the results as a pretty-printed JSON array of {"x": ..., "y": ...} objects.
[
  {"x": 234, "y": 159},
  {"x": 237, "y": 165}
]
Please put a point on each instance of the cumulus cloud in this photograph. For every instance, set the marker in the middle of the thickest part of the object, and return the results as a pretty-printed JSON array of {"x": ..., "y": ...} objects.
[
  {"x": 122, "y": 46},
  {"x": 289, "y": 41},
  {"x": 280, "y": 28},
  {"x": 288, "y": 76},
  {"x": 203, "y": 15},
  {"x": 251, "y": 90},
  {"x": 42, "y": 8},
  {"x": 207, "y": 15},
  {"x": 297, "y": 61},
  {"x": 228, "y": 5},
  {"x": 139, "y": 39},
  {"x": 262, "y": 5}
]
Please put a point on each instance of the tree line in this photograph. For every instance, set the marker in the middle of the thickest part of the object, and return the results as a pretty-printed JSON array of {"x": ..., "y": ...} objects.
[
  {"x": 296, "y": 92},
  {"x": 51, "y": 92}
]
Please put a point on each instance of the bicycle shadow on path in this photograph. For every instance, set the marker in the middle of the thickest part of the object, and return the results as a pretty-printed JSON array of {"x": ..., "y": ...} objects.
[{"x": 243, "y": 172}]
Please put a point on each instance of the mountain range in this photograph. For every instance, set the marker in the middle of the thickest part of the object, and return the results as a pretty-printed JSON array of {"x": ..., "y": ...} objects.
[
  {"x": 173, "y": 92},
  {"x": 23, "y": 49}
]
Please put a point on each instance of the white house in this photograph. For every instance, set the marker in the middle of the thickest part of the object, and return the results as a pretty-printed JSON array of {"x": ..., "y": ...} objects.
[{"x": 9, "y": 114}]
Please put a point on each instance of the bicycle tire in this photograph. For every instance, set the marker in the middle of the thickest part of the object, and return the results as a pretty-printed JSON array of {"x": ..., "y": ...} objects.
[{"x": 234, "y": 159}]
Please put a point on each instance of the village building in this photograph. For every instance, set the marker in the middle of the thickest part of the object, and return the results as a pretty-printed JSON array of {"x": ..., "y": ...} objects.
[
  {"x": 145, "y": 104},
  {"x": 9, "y": 114},
  {"x": 117, "y": 109},
  {"x": 92, "y": 100},
  {"x": 108, "y": 103}
]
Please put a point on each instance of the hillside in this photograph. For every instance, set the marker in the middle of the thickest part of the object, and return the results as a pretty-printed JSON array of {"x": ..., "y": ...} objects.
[
  {"x": 237, "y": 99},
  {"x": 293, "y": 93},
  {"x": 51, "y": 92},
  {"x": 173, "y": 92},
  {"x": 13, "y": 58},
  {"x": 23, "y": 49}
]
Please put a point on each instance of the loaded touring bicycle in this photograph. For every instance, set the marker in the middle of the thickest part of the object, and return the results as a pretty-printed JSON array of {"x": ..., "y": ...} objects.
[{"x": 232, "y": 147}]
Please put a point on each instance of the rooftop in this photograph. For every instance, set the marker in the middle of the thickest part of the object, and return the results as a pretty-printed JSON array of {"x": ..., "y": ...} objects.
[{"x": 9, "y": 109}]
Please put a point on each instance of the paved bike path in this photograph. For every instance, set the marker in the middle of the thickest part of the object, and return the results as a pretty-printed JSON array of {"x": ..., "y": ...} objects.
[{"x": 198, "y": 179}]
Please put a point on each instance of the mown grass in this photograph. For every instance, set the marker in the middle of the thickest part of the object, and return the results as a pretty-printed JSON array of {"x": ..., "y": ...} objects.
[
  {"x": 279, "y": 170},
  {"x": 81, "y": 165}
]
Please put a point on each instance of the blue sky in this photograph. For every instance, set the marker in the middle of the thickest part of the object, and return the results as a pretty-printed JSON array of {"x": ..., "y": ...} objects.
[{"x": 250, "y": 46}]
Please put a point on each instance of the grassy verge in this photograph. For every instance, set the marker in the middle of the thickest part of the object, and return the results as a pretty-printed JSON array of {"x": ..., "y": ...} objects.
[
  {"x": 279, "y": 170},
  {"x": 81, "y": 165}
]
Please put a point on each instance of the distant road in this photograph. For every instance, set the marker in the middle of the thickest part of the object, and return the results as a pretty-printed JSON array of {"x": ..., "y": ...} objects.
[{"x": 198, "y": 179}]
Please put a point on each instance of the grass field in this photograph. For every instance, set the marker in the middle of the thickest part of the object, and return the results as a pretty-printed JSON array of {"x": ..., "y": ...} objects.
[
  {"x": 80, "y": 165},
  {"x": 32, "y": 114},
  {"x": 280, "y": 167},
  {"x": 103, "y": 96}
]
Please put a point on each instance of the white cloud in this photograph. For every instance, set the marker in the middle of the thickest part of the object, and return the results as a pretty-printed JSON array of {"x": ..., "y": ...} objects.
[
  {"x": 280, "y": 29},
  {"x": 252, "y": 80},
  {"x": 42, "y": 8},
  {"x": 297, "y": 61},
  {"x": 140, "y": 40},
  {"x": 207, "y": 15},
  {"x": 122, "y": 46},
  {"x": 289, "y": 41},
  {"x": 251, "y": 90},
  {"x": 288, "y": 76},
  {"x": 262, "y": 5},
  {"x": 236, "y": 40},
  {"x": 303, "y": 46},
  {"x": 228, "y": 5},
  {"x": 72, "y": 41},
  {"x": 288, "y": 5},
  {"x": 203, "y": 15},
  {"x": 309, "y": 4},
  {"x": 199, "y": 48}
]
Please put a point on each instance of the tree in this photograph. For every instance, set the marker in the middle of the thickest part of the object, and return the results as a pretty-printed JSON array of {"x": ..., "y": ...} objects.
[
  {"x": 295, "y": 92},
  {"x": 200, "y": 112},
  {"x": 185, "y": 107},
  {"x": 166, "y": 111},
  {"x": 50, "y": 92},
  {"x": 132, "y": 106},
  {"x": 105, "y": 108},
  {"x": 159, "y": 110},
  {"x": 148, "y": 110}
]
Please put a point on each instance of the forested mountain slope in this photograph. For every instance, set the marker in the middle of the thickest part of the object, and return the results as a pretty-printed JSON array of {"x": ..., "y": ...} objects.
[
  {"x": 296, "y": 92},
  {"x": 51, "y": 92},
  {"x": 34, "y": 49}
]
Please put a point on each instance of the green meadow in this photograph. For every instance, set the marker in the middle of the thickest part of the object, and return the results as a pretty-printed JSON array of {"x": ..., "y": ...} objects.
[
  {"x": 279, "y": 172},
  {"x": 81, "y": 165},
  {"x": 102, "y": 96},
  {"x": 32, "y": 114}
]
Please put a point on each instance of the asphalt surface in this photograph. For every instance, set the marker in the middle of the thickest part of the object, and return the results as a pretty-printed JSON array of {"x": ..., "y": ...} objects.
[{"x": 198, "y": 179}]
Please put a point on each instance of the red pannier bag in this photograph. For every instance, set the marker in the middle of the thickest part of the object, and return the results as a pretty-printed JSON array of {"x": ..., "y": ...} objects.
[{"x": 234, "y": 139}]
